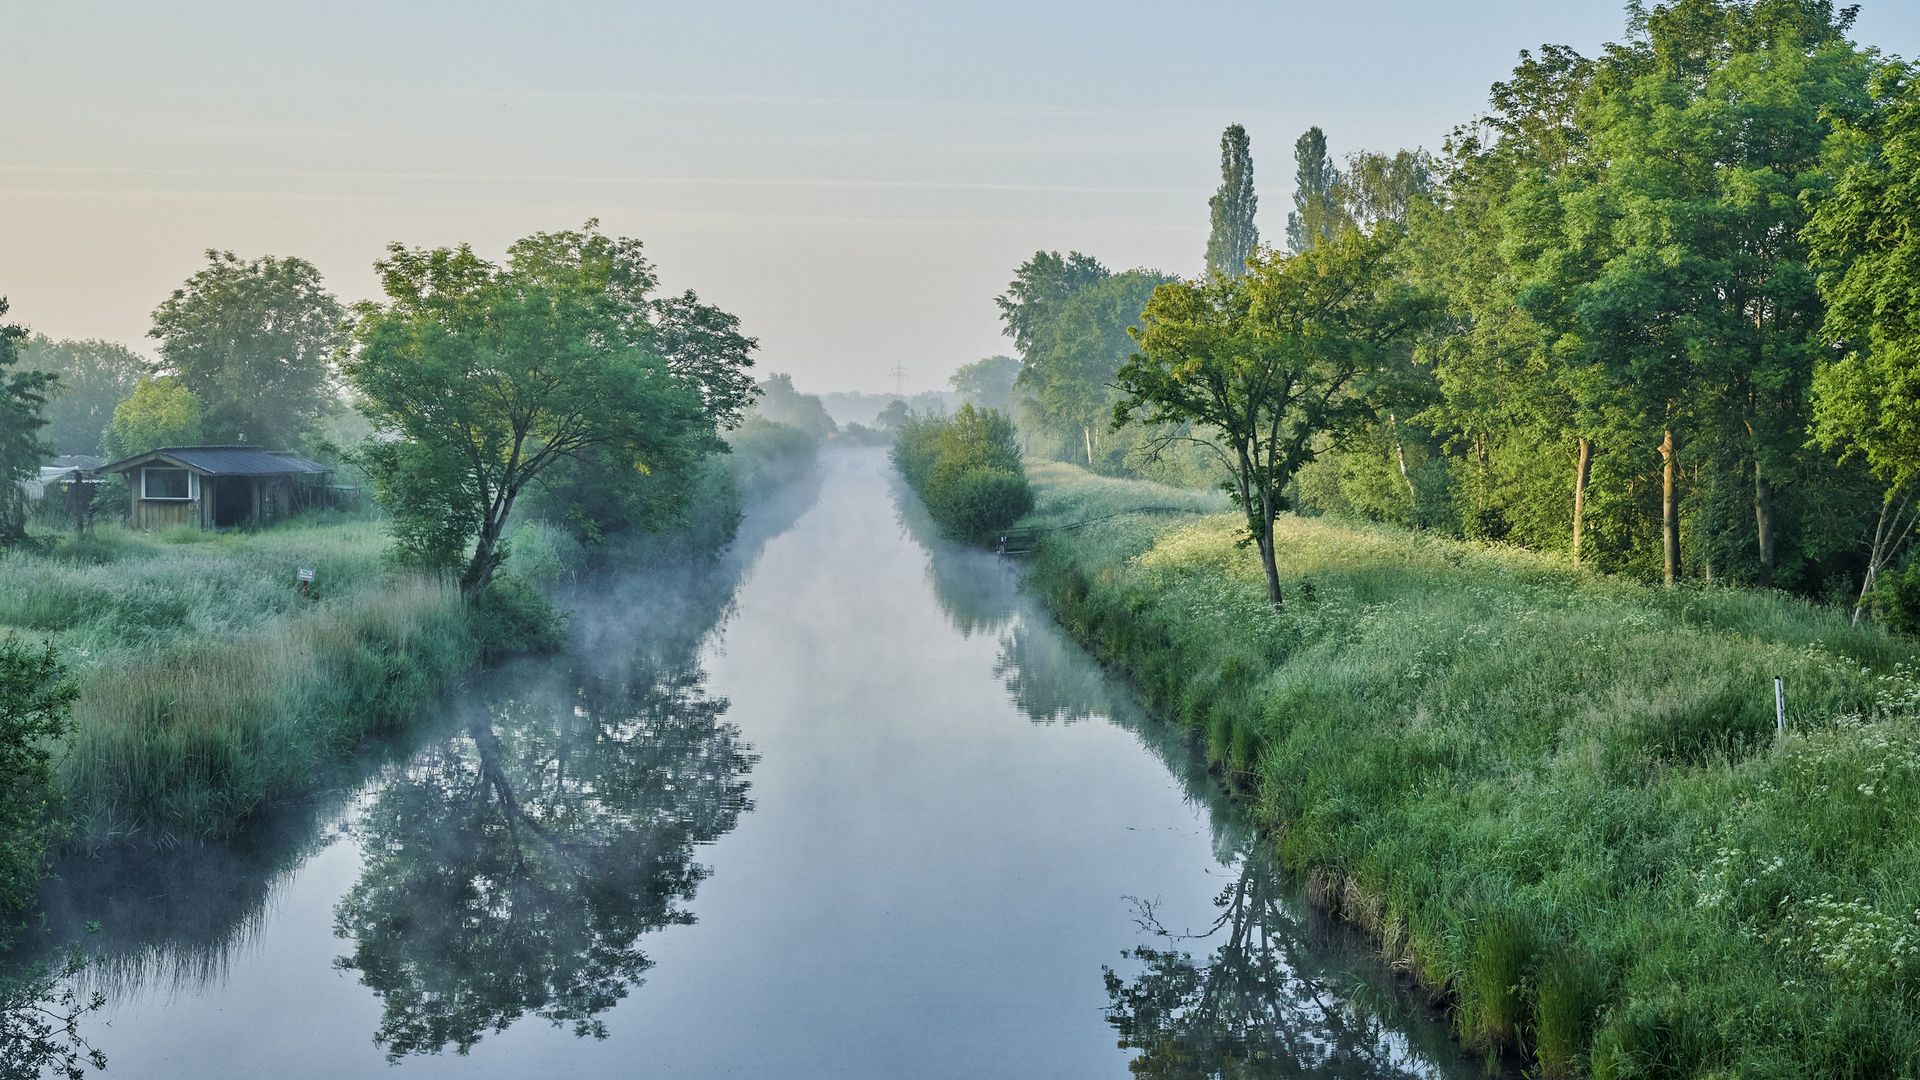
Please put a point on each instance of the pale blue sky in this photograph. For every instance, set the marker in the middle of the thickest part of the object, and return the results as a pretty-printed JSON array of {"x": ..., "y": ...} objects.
[{"x": 855, "y": 180}]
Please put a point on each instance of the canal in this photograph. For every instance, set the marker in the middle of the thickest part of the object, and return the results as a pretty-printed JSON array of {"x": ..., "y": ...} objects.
[{"x": 845, "y": 804}]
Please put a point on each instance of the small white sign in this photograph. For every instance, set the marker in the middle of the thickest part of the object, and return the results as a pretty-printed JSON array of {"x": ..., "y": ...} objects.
[{"x": 306, "y": 573}]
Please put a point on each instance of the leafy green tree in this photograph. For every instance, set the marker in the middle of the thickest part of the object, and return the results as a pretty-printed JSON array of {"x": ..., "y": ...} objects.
[
  {"x": 1069, "y": 374},
  {"x": 988, "y": 383},
  {"x": 1689, "y": 287},
  {"x": 1507, "y": 395},
  {"x": 1040, "y": 286},
  {"x": 160, "y": 412},
  {"x": 894, "y": 415},
  {"x": 23, "y": 395},
  {"x": 1270, "y": 366},
  {"x": 1866, "y": 239},
  {"x": 255, "y": 340},
  {"x": 95, "y": 376},
  {"x": 781, "y": 403},
  {"x": 1316, "y": 205},
  {"x": 966, "y": 469},
  {"x": 35, "y": 696},
  {"x": 1233, "y": 236},
  {"x": 484, "y": 378}
]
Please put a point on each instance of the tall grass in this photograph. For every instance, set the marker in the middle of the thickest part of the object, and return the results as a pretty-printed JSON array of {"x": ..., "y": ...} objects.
[
  {"x": 208, "y": 682},
  {"x": 1555, "y": 795}
]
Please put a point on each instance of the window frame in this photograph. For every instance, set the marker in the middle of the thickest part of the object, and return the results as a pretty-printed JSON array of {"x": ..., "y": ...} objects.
[{"x": 193, "y": 484}]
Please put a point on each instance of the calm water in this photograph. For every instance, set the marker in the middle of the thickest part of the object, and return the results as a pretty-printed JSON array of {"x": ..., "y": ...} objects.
[{"x": 845, "y": 806}]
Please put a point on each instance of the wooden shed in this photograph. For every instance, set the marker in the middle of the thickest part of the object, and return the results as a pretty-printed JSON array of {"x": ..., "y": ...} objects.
[{"x": 218, "y": 487}]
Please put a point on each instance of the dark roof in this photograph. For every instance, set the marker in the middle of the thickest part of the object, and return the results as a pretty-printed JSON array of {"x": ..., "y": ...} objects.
[{"x": 226, "y": 461}]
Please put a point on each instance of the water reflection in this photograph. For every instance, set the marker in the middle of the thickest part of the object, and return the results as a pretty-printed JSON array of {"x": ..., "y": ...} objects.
[
  {"x": 513, "y": 870},
  {"x": 1263, "y": 1003},
  {"x": 1283, "y": 991}
]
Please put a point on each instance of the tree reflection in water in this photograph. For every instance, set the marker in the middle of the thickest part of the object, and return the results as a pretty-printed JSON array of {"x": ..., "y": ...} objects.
[
  {"x": 514, "y": 870},
  {"x": 1255, "y": 1006}
]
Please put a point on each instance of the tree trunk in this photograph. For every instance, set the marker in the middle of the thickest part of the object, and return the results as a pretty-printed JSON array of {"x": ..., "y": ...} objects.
[
  {"x": 487, "y": 555},
  {"x": 1400, "y": 455},
  {"x": 1582, "y": 472},
  {"x": 1272, "y": 568},
  {"x": 1763, "y": 523},
  {"x": 1889, "y": 535},
  {"x": 1669, "y": 510},
  {"x": 1087, "y": 434}
]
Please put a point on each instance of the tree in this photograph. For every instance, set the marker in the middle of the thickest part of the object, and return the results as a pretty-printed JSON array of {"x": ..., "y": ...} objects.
[
  {"x": 1865, "y": 239},
  {"x": 255, "y": 340},
  {"x": 1270, "y": 366},
  {"x": 1069, "y": 373},
  {"x": 483, "y": 378},
  {"x": 1690, "y": 290},
  {"x": 160, "y": 412},
  {"x": 1234, "y": 236},
  {"x": 782, "y": 403},
  {"x": 35, "y": 696},
  {"x": 1039, "y": 287},
  {"x": 95, "y": 376},
  {"x": 1316, "y": 209},
  {"x": 23, "y": 396},
  {"x": 988, "y": 383}
]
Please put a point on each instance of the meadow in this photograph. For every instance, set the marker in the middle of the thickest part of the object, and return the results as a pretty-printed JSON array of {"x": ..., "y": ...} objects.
[
  {"x": 208, "y": 682},
  {"x": 1556, "y": 798}
]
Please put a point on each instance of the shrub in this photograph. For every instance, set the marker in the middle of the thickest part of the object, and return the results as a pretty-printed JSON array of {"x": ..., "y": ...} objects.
[
  {"x": 35, "y": 697},
  {"x": 966, "y": 468},
  {"x": 510, "y": 616}
]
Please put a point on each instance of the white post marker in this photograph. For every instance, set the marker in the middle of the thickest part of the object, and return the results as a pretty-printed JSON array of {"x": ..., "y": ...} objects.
[{"x": 1779, "y": 706}]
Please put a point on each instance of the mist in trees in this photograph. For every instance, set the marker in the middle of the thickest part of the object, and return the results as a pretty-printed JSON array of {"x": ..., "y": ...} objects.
[
  {"x": 255, "y": 340},
  {"x": 95, "y": 377}
]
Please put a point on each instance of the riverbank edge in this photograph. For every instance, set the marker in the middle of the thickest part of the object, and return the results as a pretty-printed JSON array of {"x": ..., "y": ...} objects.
[
  {"x": 187, "y": 744},
  {"x": 1521, "y": 990}
]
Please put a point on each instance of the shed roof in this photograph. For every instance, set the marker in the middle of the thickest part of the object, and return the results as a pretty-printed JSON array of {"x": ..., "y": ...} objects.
[{"x": 225, "y": 461}]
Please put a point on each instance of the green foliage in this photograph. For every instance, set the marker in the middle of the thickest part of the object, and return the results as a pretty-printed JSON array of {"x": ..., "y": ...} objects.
[
  {"x": 1270, "y": 365},
  {"x": 160, "y": 412},
  {"x": 95, "y": 377},
  {"x": 966, "y": 469},
  {"x": 489, "y": 378},
  {"x": 983, "y": 384},
  {"x": 35, "y": 697},
  {"x": 23, "y": 394},
  {"x": 1233, "y": 236},
  {"x": 1315, "y": 215},
  {"x": 511, "y": 616},
  {"x": 782, "y": 404},
  {"x": 1543, "y": 779},
  {"x": 255, "y": 341}
]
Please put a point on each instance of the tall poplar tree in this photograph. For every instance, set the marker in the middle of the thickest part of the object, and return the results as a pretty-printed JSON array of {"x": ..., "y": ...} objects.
[
  {"x": 1316, "y": 206},
  {"x": 1234, "y": 234}
]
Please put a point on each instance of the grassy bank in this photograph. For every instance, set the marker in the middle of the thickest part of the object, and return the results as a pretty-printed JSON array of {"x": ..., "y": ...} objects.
[
  {"x": 208, "y": 684},
  {"x": 1555, "y": 796}
]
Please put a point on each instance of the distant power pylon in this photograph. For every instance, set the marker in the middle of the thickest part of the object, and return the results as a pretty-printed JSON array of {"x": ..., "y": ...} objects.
[{"x": 899, "y": 374}]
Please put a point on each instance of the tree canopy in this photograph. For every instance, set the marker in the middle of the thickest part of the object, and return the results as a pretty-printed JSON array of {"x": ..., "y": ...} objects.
[
  {"x": 255, "y": 340},
  {"x": 483, "y": 378}
]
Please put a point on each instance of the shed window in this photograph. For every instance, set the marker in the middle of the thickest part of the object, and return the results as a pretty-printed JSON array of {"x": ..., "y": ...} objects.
[{"x": 166, "y": 484}]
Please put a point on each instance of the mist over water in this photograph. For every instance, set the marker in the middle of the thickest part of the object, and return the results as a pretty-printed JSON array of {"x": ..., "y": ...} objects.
[{"x": 842, "y": 803}]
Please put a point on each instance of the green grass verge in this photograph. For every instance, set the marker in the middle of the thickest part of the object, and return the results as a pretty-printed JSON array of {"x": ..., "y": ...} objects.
[
  {"x": 1555, "y": 796},
  {"x": 207, "y": 683}
]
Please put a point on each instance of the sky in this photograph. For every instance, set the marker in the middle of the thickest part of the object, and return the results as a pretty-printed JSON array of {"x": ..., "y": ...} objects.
[{"x": 856, "y": 181}]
